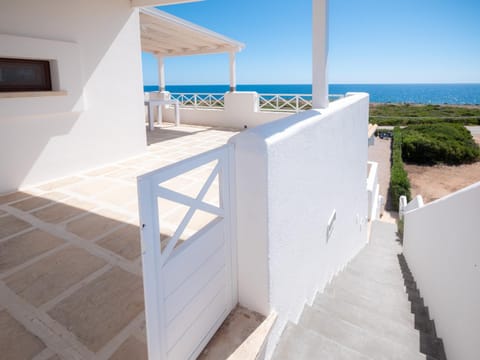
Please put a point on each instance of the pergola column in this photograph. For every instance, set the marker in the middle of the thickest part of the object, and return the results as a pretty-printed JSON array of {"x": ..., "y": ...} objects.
[
  {"x": 161, "y": 73},
  {"x": 319, "y": 54},
  {"x": 233, "y": 75}
]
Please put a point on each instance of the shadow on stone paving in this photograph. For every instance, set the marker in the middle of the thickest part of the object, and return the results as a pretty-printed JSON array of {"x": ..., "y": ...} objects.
[{"x": 430, "y": 344}]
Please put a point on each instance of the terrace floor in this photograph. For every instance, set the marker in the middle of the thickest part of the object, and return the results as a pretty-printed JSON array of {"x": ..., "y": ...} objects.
[{"x": 70, "y": 265}]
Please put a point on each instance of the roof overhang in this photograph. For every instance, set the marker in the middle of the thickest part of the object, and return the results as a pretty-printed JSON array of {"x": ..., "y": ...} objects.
[
  {"x": 141, "y": 3},
  {"x": 167, "y": 35}
]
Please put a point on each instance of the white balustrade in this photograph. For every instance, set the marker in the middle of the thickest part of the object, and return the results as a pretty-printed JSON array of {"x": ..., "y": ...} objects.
[
  {"x": 200, "y": 100},
  {"x": 267, "y": 102}
]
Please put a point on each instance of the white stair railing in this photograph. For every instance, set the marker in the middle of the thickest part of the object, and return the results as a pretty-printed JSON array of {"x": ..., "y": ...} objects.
[
  {"x": 405, "y": 206},
  {"x": 200, "y": 100}
]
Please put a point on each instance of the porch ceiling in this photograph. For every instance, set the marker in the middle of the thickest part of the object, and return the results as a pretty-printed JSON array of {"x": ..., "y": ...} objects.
[{"x": 166, "y": 35}]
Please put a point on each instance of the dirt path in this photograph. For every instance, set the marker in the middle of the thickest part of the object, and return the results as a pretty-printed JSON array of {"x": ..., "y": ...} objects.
[
  {"x": 380, "y": 152},
  {"x": 434, "y": 182}
]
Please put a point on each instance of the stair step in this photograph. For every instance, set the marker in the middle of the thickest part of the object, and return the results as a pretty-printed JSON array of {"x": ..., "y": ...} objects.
[
  {"x": 356, "y": 338},
  {"x": 374, "y": 269},
  {"x": 298, "y": 342},
  {"x": 371, "y": 310},
  {"x": 370, "y": 320},
  {"x": 370, "y": 286},
  {"x": 384, "y": 307}
]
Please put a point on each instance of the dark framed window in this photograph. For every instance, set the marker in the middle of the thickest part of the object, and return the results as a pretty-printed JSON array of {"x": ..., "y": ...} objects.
[{"x": 24, "y": 75}]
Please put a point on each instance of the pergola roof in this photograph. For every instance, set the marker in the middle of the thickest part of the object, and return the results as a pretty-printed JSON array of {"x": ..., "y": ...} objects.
[{"x": 167, "y": 35}]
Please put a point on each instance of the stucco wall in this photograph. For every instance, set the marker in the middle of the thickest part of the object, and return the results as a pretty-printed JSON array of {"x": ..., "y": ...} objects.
[
  {"x": 95, "y": 46},
  {"x": 373, "y": 190},
  {"x": 291, "y": 175},
  {"x": 442, "y": 248}
]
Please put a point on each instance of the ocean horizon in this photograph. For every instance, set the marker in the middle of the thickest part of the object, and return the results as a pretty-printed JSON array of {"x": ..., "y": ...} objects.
[{"x": 452, "y": 94}]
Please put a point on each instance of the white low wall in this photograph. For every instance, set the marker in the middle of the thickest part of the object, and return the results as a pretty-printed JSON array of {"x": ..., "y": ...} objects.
[
  {"x": 442, "y": 248},
  {"x": 404, "y": 206},
  {"x": 241, "y": 110},
  {"x": 373, "y": 190},
  {"x": 94, "y": 49},
  {"x": 291, "y": 175}
]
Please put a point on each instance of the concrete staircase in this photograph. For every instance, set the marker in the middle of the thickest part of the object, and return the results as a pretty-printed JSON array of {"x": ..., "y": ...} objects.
[{"x": 371, "y": 310}]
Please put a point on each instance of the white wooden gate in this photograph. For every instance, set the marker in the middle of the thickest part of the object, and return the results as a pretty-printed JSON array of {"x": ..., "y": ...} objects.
[{"x": 189, "y": 283}]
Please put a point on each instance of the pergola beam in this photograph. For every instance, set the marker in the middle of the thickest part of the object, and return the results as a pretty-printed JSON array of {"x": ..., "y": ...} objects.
[
  {"x": 188, "y": 52},
  {"x": 142, "y": 3},
  {"x": 165, "y": 35},
  {"x": 172, "y": 35}
]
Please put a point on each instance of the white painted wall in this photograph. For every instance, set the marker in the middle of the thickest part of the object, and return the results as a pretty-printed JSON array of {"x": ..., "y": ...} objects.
[
  {"x": 291, "y": 175},
  {"x": 373, "y": 190},
  {"x": 96, "y": 49},
  {"x": 241, "y": 109},
  {"x": 442, "y": 248}
]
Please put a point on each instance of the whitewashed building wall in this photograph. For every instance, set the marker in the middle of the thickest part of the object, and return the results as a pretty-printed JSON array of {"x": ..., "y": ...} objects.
[
  {"x": 291, "y": 176},
  {"x": 95, "y": 50}
]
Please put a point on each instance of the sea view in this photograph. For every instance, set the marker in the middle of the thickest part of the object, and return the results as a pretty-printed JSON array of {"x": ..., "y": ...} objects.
[{"x": 459, "y": 94}]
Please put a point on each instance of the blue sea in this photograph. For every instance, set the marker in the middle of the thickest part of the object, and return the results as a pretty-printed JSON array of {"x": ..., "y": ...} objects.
[{"x": 460, "y": 94}]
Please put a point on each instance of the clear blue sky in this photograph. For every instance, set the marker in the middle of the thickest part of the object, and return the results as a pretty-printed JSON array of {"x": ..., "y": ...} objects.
[{"x": 371, "y": 41}]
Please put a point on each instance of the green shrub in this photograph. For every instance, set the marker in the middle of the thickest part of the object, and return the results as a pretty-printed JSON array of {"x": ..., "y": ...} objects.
[
  {"x": 412, "y": 120},
  {"x": 438, "y": 143},
  {"x": 410, "y": 114},
  {"x": 399, "y": 183}
]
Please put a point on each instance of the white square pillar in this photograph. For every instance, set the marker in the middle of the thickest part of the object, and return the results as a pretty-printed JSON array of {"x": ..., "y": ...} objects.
[{"x": 319, "y": 54}]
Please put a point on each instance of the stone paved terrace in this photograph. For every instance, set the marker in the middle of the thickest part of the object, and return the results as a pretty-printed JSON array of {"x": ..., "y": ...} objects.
[{"x": 70, "y": 265}]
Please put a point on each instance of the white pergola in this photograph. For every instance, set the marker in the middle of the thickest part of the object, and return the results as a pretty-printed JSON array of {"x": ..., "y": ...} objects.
[{"x": 166, "y": 35}]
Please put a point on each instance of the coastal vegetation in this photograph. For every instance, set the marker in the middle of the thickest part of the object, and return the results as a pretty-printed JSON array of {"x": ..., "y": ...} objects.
[
  {"x": 432, "y": 144},
  {"x": 399, "y": 183},
  {"x": 450, "y": 144},
  {"x": 409, "y": 114}
]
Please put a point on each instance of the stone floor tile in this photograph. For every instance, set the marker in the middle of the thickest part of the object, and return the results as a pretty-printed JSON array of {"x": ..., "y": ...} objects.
[
  {"x": 178, "y": 183},
  {"x": 102, "y": 171},
  {"x": 99, "y": 310},
  {"x": 236, "y": 328},
  {"x": 49, "y": 277},
  {"x": 200, "y": 219},
  {"x": 16, "y": 342},
  {"x": 10, "y": 225},
  {"x": 133, "y": 208},
  {"x": 21, "y": 248},
  {"x": 92, "y": 187},
  {"x": 57, "y": 184},
  {"x": 31, "y": 203},
  {"x": 124, "y": 242},
  {"x": 119, "y": 196},
  {"x": 93, "y": 225},
  {"x": 54, "y": 195},
  {"x": 2, "y": 213},
  {"x": 62, "y": 211},
  {"x": 7, "y": 198},
  {"x": 131, "y": 349}
]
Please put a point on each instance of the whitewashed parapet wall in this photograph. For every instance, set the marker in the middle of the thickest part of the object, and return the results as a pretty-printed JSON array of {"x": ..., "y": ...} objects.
[
  {"x": 94, "y": 47},
  {"x": 241, "y": 110},
  {"x": 291, "y": 175},
  {"x": 442, "y": 247},
  {"x": 373, "y": 190}
]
